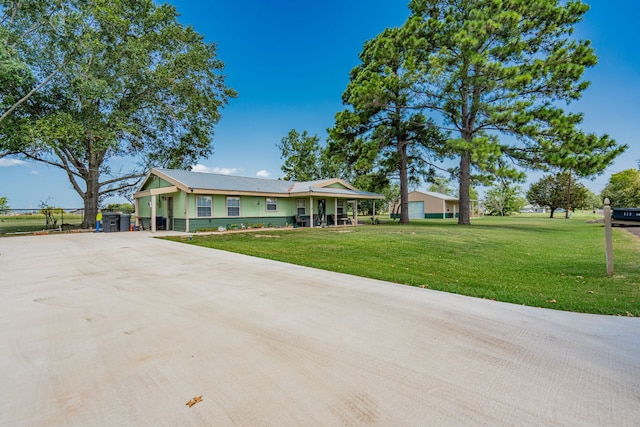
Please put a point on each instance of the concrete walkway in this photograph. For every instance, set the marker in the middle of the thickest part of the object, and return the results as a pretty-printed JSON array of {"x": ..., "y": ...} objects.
[{"x": 120, "y": 329}]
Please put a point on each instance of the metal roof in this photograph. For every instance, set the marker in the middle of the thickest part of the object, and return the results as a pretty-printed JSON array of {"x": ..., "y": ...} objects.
[
  {"x": 212, "y": 181},
  {"x": 189, "y": 181},
  {"x": 437, "y": 195}
]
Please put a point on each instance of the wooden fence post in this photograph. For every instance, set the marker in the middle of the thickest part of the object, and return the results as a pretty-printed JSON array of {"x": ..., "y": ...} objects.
[{"x": 607, "y": 237}]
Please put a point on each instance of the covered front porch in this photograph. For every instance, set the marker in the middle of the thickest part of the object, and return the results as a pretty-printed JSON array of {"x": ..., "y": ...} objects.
[{"x": 327, "y": 212}]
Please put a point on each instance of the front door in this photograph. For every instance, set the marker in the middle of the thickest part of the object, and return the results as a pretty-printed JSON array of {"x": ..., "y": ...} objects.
[{"x": 170, "y": 213}]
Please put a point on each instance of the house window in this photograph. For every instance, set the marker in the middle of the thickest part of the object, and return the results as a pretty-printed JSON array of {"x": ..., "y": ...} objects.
[
  {"x": 203, "y": 206},
  {"x": 301, "y": 205},
  {"x": 272, "y": 204},
  {"x": 340, "y": 207},
  {"x": 233, "y": 206}
]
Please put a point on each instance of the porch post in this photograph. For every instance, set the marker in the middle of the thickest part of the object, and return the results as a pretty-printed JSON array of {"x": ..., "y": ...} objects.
[
  {"x": 310, "y": 211},
  {"x": 335, "y": 212},
  {"x": 186, "y": 210},
  {"x": 136, "y": 211},
  {"x": 355, "y": 212},
  {"x": 444, "y": 209},
  {"x": 153, "y": 213}
]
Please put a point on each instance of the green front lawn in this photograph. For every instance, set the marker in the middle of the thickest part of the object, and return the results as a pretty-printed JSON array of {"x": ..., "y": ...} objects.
[
  {"x": 11, "y": 224},
  {"x": 532, "y": 260}
]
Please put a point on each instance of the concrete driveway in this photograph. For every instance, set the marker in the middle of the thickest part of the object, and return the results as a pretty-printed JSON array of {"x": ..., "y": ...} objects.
[{"x": 120, "y": 329}]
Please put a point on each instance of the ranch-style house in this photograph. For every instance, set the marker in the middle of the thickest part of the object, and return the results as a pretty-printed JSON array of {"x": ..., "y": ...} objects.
[{"x": 188, "y": 201}]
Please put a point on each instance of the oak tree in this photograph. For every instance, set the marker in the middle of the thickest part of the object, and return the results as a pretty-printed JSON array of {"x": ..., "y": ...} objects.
[
  {"x": 132, "y": 86},
  {"x": 554, "y": 191},
  {"x": 302, "y": 156},
  {"x": 623, "y": 189}
]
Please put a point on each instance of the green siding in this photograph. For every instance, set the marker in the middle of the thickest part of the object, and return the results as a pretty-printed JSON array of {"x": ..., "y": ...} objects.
[
  {"x": 156, "y": 182},
  {"x": 336, "y": 185},
  {"x": 426, "y": 216},
  {"x": 212, "y": 224},
  {"x": 252, "y": 210},
  {"x": 439, "y": 215}
]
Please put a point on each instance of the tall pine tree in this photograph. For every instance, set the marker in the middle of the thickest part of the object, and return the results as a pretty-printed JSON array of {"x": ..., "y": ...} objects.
[
  {"x": 383, "y": 133},
  {"x": 497, "y": 73}
]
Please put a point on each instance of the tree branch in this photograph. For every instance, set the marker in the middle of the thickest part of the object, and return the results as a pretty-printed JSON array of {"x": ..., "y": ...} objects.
[
  {"x": 34, "y": 90},
  {"x": 111, "y": 181}
]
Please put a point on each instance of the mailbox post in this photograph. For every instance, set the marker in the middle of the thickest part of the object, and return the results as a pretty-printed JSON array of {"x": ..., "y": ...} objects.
[{"x": 607, "y": 237}]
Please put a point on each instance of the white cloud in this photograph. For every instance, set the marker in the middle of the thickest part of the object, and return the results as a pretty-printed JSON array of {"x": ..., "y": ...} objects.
[
  {"x": 226, "y": 171},
  {"x": 263, "y": 174},
  {"x": 200, "y": 168},
  {"x": 34, "y": 172},
  {"x": 6, "y": 163},
  {"x": 207, "y": 169}
]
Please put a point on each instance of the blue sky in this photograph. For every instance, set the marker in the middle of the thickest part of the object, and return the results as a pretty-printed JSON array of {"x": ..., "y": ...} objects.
[{"x": 290, "y": 62}]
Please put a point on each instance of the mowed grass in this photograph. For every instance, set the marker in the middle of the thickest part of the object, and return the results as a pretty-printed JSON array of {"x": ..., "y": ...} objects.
[
  {"x": 534, "y": 261},
  {"x": 10, "y": 224}
]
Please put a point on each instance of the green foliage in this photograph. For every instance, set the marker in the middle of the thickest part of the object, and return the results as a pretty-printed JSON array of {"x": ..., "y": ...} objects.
[
  {"x": 504, "y": 198},
  {"x": 493, "y": 68},
  {"x": 24, "y": 68},
  {"x": 392, "y": 199},
  {"x": 4, "y": 205},
  {"x": 623, "y": 189},
  {"x": 50, "y": 213},
  {"x": 556, "y": 264},
  {"x": 131, "y": 81},
  {"x": 592, "y": 201},
  {"x": 552, "y": 191},
  {"x": 26, "y": 223},
  {"x": 303, "y": 157},
  {"x": 119, "y": 207},
  {"x": 583, "y": 198},
  {"x": 383, "y": 132},
  {"x": 441, "y": 185}
]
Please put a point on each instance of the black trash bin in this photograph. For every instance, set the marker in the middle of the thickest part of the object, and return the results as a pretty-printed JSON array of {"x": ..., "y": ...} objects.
[
  {"x": 161, "y": 223},
  {"x": 125, "y": 222},
  {"x": 110, "y": 222}
]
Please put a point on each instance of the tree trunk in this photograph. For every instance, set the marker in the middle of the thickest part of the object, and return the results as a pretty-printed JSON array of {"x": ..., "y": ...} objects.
[
  {"x": 91, "y": 196},
  {"x": 465, "y": 184},
  {"x": 566, "y": 213},
  {"x": 404, "y": 183}
]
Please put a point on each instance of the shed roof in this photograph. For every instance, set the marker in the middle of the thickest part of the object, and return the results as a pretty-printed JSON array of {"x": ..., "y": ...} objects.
[{"x": 437, "y": 195}]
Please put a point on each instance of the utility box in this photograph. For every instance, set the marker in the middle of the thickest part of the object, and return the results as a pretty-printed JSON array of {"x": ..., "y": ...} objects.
[
  {"x": 125, "y": 222},
  {"x": 110, "y": 222}
]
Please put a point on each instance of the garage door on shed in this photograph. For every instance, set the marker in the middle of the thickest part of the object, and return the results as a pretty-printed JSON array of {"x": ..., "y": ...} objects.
[{"x": 416, "y": 210}]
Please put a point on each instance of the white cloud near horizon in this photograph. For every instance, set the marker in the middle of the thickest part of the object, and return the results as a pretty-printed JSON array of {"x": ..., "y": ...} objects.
[
  {"x": 206, "y": 169},
  {"x": 7, "y": 163},
  {"x": 263, "y": 174},
  {"x": 226, "y": 171}
]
